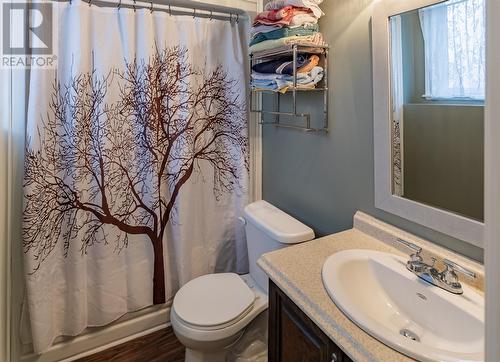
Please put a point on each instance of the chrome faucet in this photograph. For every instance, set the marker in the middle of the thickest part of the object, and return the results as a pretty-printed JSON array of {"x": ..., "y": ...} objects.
[{"x": 446, "y": 279}]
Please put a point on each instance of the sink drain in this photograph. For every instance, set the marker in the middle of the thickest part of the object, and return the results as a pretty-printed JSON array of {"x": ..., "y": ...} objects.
[{"x": 409, "y": 334}]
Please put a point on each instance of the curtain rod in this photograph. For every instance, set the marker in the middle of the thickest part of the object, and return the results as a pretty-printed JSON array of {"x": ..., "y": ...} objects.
[{"x": 196, "y": 9}]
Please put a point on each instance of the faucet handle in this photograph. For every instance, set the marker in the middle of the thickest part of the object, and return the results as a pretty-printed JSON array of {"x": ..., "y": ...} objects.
[
  {"x": 452, "y": 266},
  {"x": 416, "y": 263},
  {"x": 417, "y": 249}
]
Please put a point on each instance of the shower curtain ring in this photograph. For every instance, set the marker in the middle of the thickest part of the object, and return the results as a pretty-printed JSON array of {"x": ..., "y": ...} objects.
[
  {"x": 90, "y": 3},
  {"x": 133, "y": 6},
  {"x": 237, "y": 18},
  {"x": 119, "y": 4},
  {"x": 211, "y": 15},
  {"x": 151, "y": 8},
  {"x": 169, "y": 10},
  {"x": 194, "y": 13}
]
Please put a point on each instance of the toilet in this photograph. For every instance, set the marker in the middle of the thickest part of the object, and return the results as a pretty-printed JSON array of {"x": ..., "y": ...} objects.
[{"x": 210, "y": 313}]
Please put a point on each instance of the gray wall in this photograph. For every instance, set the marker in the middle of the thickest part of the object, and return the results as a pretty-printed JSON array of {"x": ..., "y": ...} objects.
[{"x": 323, "y": 179}]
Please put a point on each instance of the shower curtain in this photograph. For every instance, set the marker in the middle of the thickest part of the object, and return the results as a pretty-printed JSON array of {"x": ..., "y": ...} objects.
[{"x": 136, "y": 164}]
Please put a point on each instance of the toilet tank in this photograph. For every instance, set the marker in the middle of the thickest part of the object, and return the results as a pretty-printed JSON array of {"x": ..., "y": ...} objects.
[{"x": 268, "y": 228}]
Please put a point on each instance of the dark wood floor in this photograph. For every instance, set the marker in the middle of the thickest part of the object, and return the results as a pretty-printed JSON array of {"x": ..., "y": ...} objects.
[{"x": 161, "y": 346}]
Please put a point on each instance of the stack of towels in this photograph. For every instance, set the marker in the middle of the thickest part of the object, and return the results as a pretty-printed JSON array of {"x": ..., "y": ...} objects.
[{"x": 282, "y": 24}]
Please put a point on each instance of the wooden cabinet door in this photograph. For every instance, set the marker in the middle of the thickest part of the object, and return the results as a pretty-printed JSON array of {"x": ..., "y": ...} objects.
[{"x": 293, "y": 337}]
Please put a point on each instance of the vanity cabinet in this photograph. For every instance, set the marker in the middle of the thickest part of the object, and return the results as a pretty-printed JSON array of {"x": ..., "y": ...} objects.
[{"x": 293, "y": 337}]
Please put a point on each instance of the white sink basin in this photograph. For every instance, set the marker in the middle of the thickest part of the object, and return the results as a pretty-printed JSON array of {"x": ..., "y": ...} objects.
[{"x": 377, "y": 292}]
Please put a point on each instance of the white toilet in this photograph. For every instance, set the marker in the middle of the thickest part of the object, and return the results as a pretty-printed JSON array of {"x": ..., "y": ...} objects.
[{"x": 210, "y": 313}]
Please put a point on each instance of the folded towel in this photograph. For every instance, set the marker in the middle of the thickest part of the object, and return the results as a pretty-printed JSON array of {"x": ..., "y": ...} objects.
[
  {"x": 310, "y": 4},
  {"x": 302, "y": 19},
  {"x": 284, "y": 32},
  {"x": 315, "y": 39},
  {"x": 275, "y": 15},
  {"x": 282, "y": 88},
  {"x": 260, "y": 77},
  {"x": 284, "y": 48},
  {"x": 264, "y": 83},
  {"x": 269, "y": 18},
  {"x": 309, "y": 65},
  {"x": 261, "y": 29},
  {"x": 282, "y": 65},
  {"x": 301, "y": 77},
  {"x": 304, "y": 80},
  {"x": 256, "y": 76},
  {"x": 281, "y": 82}
]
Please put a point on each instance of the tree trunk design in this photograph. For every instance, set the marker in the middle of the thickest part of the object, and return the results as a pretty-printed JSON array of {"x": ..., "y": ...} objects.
[
  {"x": 158, "y": 273},
  {"x": 101, "y": 164}
]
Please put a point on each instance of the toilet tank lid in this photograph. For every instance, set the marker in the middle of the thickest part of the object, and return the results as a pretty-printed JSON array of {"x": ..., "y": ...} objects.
[{"x": 277, "y": 224}]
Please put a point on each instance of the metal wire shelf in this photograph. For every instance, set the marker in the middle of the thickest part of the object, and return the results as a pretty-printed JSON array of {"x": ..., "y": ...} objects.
[{"x": 294, "y": 50}]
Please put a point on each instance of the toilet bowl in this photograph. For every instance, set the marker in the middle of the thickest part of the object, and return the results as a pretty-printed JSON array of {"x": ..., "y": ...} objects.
[
  {"x": 210, "y": 313},
  {"x": 207, "y": 339}
]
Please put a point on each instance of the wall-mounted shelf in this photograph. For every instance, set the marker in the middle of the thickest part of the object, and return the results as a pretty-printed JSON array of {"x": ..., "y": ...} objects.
[{"x": 294, "y": 50}]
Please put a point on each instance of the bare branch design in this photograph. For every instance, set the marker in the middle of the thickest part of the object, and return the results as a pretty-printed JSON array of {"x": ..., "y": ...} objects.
[{"x": 101, "y": 165}]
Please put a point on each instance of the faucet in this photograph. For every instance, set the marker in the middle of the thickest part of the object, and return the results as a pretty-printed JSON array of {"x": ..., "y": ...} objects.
[{"x": 446, "y": 279}]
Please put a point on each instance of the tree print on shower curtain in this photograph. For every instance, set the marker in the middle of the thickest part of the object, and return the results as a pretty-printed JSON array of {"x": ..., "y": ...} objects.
[{"x": 122, "y": 164}]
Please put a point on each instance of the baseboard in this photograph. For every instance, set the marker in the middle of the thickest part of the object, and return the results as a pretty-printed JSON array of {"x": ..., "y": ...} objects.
[{"x": 145, "y": 322}]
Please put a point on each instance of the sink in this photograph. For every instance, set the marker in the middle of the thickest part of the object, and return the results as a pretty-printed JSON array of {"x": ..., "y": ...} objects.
[{"x": 377, "y": 292}]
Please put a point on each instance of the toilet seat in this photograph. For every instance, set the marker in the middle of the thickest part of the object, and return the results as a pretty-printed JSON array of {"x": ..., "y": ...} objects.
[
  {"x": 213, "y": 301},
  {"x": 216, "y": 338}
]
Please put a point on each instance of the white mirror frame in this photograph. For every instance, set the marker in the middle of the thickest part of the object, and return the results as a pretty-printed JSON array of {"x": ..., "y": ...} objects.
[{"x": 460, "y": 227}]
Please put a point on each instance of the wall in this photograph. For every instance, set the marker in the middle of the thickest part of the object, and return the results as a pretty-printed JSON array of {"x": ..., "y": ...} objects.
[{"x": 323, "y": 179}]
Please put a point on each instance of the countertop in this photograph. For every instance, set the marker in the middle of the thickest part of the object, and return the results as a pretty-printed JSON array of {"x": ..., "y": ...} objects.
[{"x": 296, "y": 270}]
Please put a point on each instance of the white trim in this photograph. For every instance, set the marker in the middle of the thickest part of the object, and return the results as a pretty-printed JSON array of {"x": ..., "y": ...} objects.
[
  {"x": 460, "y": 227},
  {"x": 255, "y": 136},
  {"x": 492, "y": 181}
]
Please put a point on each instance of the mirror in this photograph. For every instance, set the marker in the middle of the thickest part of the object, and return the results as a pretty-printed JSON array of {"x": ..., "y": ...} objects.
[
  {"x": 437, "y": 69},
  {"x": 428, "y": 110}
]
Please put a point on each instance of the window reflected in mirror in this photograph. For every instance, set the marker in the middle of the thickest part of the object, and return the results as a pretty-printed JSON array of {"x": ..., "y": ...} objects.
[{"x": 437, "y": 99}]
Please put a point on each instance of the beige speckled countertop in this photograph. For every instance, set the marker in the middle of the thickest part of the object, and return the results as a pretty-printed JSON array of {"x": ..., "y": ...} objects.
[{"x": 297, "y": 271}]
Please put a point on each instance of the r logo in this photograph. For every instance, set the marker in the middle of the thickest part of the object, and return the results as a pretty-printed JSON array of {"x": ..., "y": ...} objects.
[{"x": 27, "y": 28}]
